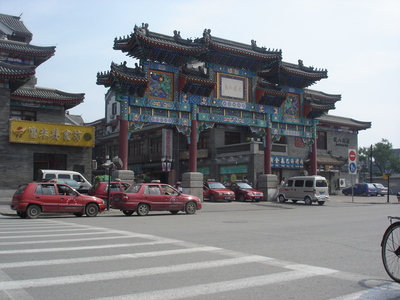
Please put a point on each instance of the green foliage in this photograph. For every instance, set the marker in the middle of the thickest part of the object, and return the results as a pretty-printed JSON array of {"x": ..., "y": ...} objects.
[{"x": 383, "y": 158}]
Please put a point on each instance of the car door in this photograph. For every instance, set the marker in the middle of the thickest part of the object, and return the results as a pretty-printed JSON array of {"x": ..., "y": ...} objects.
[
  {"x": 152, "y": 195},
  {"x": 171, "y": 198},
  {"x": 45, "y": 194},
  {"x": 69, "y": 201}
]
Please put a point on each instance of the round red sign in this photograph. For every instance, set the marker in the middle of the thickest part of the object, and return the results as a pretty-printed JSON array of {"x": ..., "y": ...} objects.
[{"x": 352, "y": 155}]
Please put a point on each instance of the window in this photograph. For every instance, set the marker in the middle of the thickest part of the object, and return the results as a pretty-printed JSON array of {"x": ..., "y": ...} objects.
[
  {"x": 203, "y": 140},
  {"x": 321, "y": 140},
  {"x": 22, "y": 115},
  {"x": 136, "y": 148},
  {"x": 155, "y": 145},
  {"x": 299, "y": 183},
  {"x": 309, "y": 183},
  {"x": 232, "y": 138}
]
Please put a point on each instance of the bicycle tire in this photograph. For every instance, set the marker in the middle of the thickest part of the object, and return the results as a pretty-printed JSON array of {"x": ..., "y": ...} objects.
[{"x": 391, "y": 251}]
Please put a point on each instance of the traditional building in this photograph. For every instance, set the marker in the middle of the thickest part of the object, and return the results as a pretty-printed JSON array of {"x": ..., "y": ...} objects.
[
  {"x": 226, "y": 109},
  {"x": 33, "y": 125}
]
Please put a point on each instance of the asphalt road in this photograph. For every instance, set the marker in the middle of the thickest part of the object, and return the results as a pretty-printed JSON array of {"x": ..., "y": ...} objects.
[{"x": 264, "y": 250}]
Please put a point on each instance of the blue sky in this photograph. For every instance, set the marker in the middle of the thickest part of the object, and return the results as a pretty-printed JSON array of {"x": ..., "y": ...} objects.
[{"x": 357, "y": 41}]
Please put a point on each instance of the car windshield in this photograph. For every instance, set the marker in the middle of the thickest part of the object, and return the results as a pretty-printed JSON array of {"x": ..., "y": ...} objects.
[
  {"x": 321, "y": 183},
  {"x": 133, "y": 188},
  {"x": 243, "y": 185},
  {"x": 378, "y": 185},
  {"x": 21, "y": 189},
  {"x": 216, "y": 185}
]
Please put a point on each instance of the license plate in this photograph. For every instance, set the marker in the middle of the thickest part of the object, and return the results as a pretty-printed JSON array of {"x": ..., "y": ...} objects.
[
  {"x": 227, "y": 198},
  {"x": 256, "y": 197}
]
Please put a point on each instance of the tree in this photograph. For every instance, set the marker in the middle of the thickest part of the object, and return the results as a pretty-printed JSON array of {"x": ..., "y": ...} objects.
[{"x": 383, "y": 158}]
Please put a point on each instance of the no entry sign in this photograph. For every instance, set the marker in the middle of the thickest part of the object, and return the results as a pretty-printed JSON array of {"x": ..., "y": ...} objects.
[{"x": 352, "y": 155}]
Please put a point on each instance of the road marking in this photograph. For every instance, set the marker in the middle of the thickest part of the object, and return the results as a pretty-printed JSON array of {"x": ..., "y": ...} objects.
[
  {"x": 23, "y": 264},
  {"x": 107, "y": 276},
  {"x": 18, "y": 251},
  {"x": 223, "y": 286}
]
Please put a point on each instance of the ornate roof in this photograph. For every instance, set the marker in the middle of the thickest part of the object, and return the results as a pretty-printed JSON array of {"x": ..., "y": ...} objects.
[
  {"x": 15, "y": 75},
  {"x": 174, "y": 50},
  {"x": 13, "y": 28},
  {"x": 47, "y": 96},
  {"x": 18, "y": 50},
  {"x": 131, "y": 80},
  {"x": 293, "y": 75},
  {"x": 318, "y": 103}
]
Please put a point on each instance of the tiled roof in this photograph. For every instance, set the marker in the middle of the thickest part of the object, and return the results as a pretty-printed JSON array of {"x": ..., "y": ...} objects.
[
  {"x": 9, "y": 71},
  {"x": 20, "y": 50},
  {"x": 15, "y": 25},
  {"x": 343, "y": 122},
  {"x": 47, "y": 96}
]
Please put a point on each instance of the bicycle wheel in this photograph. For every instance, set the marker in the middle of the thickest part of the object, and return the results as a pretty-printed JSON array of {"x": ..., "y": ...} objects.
[{"x": 391, "y": 251}]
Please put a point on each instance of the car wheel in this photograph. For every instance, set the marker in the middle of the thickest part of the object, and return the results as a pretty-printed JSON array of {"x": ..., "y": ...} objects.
[
  {"x": 212, "y": 198},
  {"x": 241, "y": 197},
  {"x": 282, "y": 199},
  {"x": 128, "y": 212},
  {"x": 307, "y": 201},
  {"x": 22, "y": 214},
  {"x": 190, "y": 208},
  {"x": 78, "y": 214},
  {"x": 33, "y": 211},
  {"x": 142, "y": 209},
  {"x": 174, "y": 212},
  {"x": 91, "y": 210},
  {"x": 321, "y": 202}
]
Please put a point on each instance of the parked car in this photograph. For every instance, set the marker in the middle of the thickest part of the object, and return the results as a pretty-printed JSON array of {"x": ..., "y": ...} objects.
[
  {"x": 59, "y": 174},
  {"x": 365, "y": 189},
  {"x": 305, "y": 188},
  {"x": 243, "y": 191},
  {"x": 145, "y": 197},
  {"x": 216, "y": 191},
  {"x": 381, "y": 189},
  {"x": 100, "y": 189},
  {"x": 71, "y": 182},
  {"x": 32, "y": 199}
]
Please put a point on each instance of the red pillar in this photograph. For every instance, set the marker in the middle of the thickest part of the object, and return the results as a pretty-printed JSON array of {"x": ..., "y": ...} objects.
[
  {"x": 267, "y": 152},
  {"x": 123, "y": 143},
  {"x": 193, "y": 148},
  {"x": 313, "y": 159}
]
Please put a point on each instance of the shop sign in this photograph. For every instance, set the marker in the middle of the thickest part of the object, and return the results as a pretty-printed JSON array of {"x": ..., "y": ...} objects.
[
  {"x": 285, "y": 162},
  {"x": 32, "y": 132}
]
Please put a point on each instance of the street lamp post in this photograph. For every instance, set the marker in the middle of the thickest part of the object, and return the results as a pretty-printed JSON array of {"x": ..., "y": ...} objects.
[
  {"x": 166, "y": 162},
  {"x": 108, "y": 165}
]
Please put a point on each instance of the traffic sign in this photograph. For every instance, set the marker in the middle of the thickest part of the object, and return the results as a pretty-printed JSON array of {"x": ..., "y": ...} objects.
[
  {"x": 352, "y": 168},
  {"x": 352, "y": 156}
]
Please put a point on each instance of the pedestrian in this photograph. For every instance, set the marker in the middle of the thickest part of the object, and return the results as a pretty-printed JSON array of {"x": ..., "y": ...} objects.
[
  {"x": 178, "y": 186},
  {"x": 283, "y": 181}
]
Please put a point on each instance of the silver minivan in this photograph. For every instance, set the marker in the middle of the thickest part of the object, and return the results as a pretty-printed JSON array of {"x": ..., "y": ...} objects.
[{"x": 305, "y": 188}]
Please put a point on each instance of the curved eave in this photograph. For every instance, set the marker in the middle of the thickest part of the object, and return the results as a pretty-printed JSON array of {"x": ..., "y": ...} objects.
[
  {"x": 9, "y": 71},
  {"x": 244, "y": 52},
  {"x": 26, "y": 49},
  {"x": 199, "y": 80},
  {"x": 314, "y": 75}
]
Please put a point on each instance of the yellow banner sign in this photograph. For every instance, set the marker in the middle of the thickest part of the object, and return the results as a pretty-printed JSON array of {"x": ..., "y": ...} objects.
[{"x": 31, "y": 132}]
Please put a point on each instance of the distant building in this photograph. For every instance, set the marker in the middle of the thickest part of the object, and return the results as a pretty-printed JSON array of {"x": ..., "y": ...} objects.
[{"x": 33, "y": 120}]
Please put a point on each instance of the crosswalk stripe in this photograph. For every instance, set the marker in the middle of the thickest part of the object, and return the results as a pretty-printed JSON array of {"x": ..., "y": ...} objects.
[
  {"x": 78, "y": 260},
  {"x": 42, "y": 250},
  {"x": 218, "y": 287},
  {"x": 52, "y": 281}
]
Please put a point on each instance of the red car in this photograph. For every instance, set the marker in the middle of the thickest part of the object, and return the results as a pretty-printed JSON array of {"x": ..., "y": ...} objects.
[
  {"x": 100, "y": 189},
  {"x": 146, "y": 197},
  {"x": 243, "y": 192},
  {"x": 216, "y": 191},
  {"x": 32, "y": 199}
]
